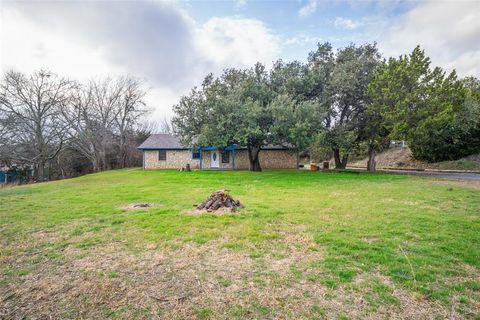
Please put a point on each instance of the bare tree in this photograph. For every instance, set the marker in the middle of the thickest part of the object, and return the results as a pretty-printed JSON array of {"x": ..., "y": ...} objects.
[
  {"x": 106, "y": 97},
  {"x": 6, "y": 123},
  {"x": 128, "y": 111},
  {"x": 46, "y": 120},
  {"x": 36, "y": 103},
  {"x": 93, "y": 118},
  {"x": 84, "y": 125},
  {"x": 148, "y": 127},
  {"x": 104, "y": 115},
  {"x": 166, "y": 126}
]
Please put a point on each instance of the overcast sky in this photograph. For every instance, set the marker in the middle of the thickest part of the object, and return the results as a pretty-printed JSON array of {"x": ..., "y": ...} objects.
[{"x": 172, "y": 45}]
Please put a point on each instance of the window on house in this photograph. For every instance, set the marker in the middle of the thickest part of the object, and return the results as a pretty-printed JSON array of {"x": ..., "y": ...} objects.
[
  {"x": 225, "y": 157},
  {"x": 195, "y": 154},
  {"x": 162, "y": 155}
]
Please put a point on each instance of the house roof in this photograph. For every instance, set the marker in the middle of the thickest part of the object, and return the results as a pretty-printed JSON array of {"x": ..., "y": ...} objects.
[
  {"x": 162, "y": 141},
  {"x": 168, "y": 141}
]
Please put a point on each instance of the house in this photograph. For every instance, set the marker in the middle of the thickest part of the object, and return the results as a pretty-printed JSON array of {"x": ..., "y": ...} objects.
[{"x": 164, "y": 151}]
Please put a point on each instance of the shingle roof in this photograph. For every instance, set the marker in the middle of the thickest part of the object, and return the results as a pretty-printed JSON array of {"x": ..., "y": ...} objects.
[
  {"x": 162, "y": 141},
  {"x": 168, "y": 141}
]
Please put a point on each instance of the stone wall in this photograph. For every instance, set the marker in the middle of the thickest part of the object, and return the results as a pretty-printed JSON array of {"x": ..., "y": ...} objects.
[
  {"x": 269, "y": 159},
  {"x": 278, "y": 159},
  {"x": 176, "y": 159}
]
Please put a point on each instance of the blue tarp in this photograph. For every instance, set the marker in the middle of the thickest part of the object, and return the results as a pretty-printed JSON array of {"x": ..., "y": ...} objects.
[{"x": 6, "y": 177}]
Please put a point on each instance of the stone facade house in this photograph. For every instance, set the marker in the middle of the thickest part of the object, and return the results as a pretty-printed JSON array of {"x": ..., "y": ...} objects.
[{"x": 164, "y": 151}]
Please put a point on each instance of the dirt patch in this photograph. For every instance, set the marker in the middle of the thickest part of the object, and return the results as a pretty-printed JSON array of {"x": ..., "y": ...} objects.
[
  {"x": 393, "y": 158},
  {"x": 370, "y": 240},
  {"x": 139, "y": 206},
  {"x": 403, "y": 158},
  {"x": 393, "y": 301}
]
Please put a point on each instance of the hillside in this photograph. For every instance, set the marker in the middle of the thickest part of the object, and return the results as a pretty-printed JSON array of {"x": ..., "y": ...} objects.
[{"x": 402, "y": 158}]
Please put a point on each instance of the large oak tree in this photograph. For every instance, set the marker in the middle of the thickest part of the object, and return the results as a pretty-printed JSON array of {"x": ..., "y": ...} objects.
[
  {"x": 251, "y": 108},
  {"x": 340, "y": 80}
]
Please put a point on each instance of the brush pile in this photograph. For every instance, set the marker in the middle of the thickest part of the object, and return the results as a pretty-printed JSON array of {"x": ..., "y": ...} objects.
[{"x": 220, "y": 200}]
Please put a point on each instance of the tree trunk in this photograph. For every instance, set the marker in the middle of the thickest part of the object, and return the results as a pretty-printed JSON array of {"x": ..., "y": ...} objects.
[
  {"x": 371, "y": 164},
  {"x": 102, "y": 163},
  {"x": 340, "y": 163},
  {"x": 95, "y": 165},
  {"x": 253, "y": 152},
  {"x": 123, "y": 153},
  {"x": 40, "y": 171}
]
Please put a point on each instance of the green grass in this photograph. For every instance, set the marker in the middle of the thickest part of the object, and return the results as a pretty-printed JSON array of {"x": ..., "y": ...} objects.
[{"x": 419, "y": 235}]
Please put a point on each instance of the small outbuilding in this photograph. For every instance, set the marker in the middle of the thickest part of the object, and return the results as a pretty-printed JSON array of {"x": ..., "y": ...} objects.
[{"x": 164, "y": 151}]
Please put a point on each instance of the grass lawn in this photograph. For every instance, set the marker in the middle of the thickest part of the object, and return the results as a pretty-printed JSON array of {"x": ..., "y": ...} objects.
[{"x": 306, "y": 245}]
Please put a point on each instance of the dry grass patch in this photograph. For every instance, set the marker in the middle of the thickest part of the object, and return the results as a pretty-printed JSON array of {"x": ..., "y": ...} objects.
[
  {"x": 218, "y": 212},
  {"x": 472, "y": 184},
  {"x": 200, "y": 281}
]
